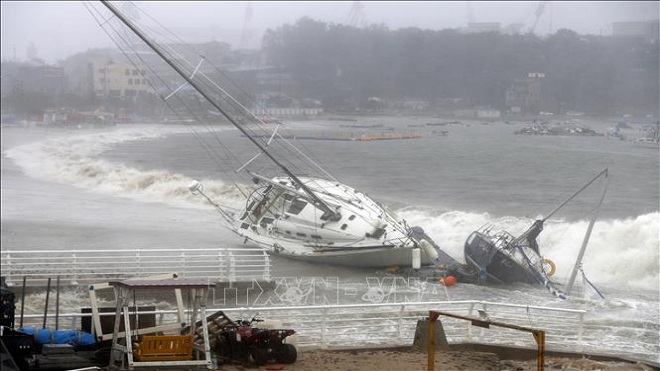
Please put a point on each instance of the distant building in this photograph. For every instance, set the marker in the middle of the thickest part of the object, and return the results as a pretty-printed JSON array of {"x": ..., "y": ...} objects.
[
  {"x": 524, "y": 95},
  {"x": 275, "y": 81},
  {"x": 648, "y": 30},
  {"x": 487, "y": 113},
  {"x": 23, "y": 77},
  {"x": 410, "y": 105},
  {"x": 119, "y": 80}
]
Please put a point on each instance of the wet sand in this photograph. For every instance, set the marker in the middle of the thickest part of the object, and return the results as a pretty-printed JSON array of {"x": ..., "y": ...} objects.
[{"x": 409, "y": 360}]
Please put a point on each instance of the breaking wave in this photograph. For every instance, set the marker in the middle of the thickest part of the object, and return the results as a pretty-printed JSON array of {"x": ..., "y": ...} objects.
[
  {"x": 74, "y": 160},
  {"x": 620, "y": 251}
]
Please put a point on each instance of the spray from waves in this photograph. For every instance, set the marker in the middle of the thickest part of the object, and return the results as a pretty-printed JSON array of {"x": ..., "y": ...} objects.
[
  {"x": 72, "y": 160},
  {"x": 621, "y": 252}
]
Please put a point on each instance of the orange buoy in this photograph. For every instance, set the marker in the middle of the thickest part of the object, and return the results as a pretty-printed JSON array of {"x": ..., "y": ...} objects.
[
  {"x": 551, "y": 265},
  {"x": 448, "y": 281},
  {"x": 393, "y": 269}
]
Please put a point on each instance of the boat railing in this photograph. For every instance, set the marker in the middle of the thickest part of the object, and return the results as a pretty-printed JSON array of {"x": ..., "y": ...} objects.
[{"x": 75, "y": 267}]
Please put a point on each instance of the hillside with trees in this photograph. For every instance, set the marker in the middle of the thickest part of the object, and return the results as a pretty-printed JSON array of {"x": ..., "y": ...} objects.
[{"x": 593, "y": 74}]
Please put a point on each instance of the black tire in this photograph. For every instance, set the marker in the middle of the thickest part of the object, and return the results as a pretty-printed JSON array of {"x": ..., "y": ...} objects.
[
  {"x": 223, "y": 348},
  {"x": 103, "y": 355},
  {"x": 286, "y": 354},
  {"x": 259, "y": 356}
]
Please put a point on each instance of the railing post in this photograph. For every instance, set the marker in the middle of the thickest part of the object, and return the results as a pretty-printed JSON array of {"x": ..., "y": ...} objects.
[
  {"x": 469, "y": 325},
  {"x": 324, "y": 327},
  {"x": 580, "y": 332},
  {"x": 482, "y": 331},
  {"x": 400, "y": 323},
  {"x": 267, "y": 267},
  {"x": 138, "y": 260},
  {"x": 74, "y": 263},
  {"x": 222, "y": 265},
  {"x": 232, "y": 268},
  {"x": 7, "y": 260}
]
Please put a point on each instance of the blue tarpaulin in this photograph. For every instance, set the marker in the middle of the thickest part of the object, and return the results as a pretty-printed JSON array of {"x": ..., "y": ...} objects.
[{"x": 72, "y": 337}]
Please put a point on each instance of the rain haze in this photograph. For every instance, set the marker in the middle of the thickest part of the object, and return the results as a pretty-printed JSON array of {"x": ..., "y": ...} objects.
[
  {"x": 368, "y": 161},
  {"x": 60, "y": 29}
]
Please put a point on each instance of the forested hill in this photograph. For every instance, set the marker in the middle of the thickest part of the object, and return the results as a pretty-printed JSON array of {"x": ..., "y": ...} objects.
[{"x": 594, "y": 74}]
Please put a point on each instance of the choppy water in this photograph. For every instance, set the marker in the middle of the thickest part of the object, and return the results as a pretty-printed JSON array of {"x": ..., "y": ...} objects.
[{"x": 450, "y": 185}]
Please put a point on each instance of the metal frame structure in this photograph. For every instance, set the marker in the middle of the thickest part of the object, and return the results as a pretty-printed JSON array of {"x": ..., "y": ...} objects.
[
  {"x": 539, "y": 335},
  {"x": 123, "y": 291}
]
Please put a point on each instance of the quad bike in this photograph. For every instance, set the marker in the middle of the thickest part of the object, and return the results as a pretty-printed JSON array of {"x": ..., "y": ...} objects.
[{"x": 241, "y": 341}]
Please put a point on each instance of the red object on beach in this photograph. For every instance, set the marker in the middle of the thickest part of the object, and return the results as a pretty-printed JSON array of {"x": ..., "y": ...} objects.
[{"x": 449, "y": 281}]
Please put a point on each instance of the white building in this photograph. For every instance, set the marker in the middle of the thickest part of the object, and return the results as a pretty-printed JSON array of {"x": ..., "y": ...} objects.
[{"x": 119, "y": 80}]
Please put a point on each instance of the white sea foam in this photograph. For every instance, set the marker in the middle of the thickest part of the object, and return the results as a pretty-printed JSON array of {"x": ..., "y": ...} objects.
[
  {"x": 621, "y": 252},
  {"x": 73, "y": 160}
]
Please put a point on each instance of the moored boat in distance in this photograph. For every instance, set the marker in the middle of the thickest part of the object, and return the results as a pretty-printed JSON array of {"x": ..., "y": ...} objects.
[{"x": 651, "y": 137}]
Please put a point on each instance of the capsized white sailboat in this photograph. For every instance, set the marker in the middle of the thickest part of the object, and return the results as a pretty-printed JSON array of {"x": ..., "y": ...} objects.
[{"x": 291, "y": 211}]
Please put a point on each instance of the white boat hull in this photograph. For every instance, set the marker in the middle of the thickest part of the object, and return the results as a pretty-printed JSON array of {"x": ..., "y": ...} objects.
[{"x": 377, "y": 257}]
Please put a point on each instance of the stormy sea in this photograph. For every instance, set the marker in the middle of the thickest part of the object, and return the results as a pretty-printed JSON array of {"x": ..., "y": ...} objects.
[{"x": 125, "y": 187}]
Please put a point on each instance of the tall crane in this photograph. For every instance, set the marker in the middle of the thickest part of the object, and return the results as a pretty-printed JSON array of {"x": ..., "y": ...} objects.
[
  {"x": 246, "y": 33},
  {"x": 538, "y": 13},
  {"x": 470, "y": 12},
  {"x": 356, "y": 15}
]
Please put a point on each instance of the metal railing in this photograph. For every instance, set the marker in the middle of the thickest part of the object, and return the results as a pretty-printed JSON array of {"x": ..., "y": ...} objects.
[
  {"x": 394, "y": 324},
  {"x": 391, "y": 324},
  {"x": 89, "y": 266}
]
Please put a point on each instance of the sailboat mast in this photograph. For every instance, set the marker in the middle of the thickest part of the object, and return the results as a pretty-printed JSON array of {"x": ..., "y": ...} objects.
[
  {"x": 328, "y": 212},
  {"x": 578, "y": 261},
  {"x": 575, "y": 194}
]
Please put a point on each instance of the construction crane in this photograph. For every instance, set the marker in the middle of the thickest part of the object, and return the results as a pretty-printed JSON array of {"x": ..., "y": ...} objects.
[
  {"x": 356, "y": 15},
  {"x": 470, "y": 12},
  {"x": 246, "y": 33},
  {"x": 538, "y": 13}
]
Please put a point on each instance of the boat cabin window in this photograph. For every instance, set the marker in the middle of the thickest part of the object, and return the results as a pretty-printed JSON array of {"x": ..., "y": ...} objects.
[
  {"x": 257, "y": 202},
  {"x": 297, "y": 205},
  {"x": 265, "y": 221}
]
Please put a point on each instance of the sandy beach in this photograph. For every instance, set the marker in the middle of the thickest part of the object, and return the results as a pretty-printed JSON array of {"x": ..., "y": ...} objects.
[{"x": 463, "y": 360}]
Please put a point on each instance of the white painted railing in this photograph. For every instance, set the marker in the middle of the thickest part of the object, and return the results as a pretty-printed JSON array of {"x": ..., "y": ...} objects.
[
  {"x": 89, "y": 266},
  {"x": 390, "y": 324},
  {"x": 393, "y": 324}
]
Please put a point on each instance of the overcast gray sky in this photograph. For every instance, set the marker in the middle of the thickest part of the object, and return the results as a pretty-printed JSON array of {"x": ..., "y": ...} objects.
[{"x": 61, "y": 28}]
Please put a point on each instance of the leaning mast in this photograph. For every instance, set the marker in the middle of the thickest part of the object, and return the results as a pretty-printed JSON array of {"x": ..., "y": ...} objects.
[{"x": 328, "y": 213}]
